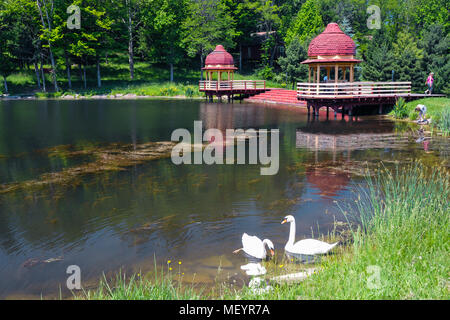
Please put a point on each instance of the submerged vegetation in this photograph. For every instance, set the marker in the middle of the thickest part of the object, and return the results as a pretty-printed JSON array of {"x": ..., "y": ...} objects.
[
  {"x": 399, "y": 249},
  {"x": 113, "y": 157}
]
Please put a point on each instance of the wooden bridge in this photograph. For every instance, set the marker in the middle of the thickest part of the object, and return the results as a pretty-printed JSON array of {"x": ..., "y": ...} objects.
[
  {"x": 231, "y": 87},
  {"x": 346, "y": 95}
]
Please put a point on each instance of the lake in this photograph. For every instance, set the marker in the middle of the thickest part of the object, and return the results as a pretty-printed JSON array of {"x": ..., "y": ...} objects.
[{"x": 149, "y": 213}]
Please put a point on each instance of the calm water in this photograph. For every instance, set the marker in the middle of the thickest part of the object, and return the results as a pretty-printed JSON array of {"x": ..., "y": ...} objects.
[{"x": 195, "y": 214}]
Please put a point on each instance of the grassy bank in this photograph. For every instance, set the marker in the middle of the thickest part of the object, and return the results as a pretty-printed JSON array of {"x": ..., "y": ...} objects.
[
  {"x": 438, "y": 109},
  {"x": 400, "y": 249},
  {"x": 149, "y": 80}
]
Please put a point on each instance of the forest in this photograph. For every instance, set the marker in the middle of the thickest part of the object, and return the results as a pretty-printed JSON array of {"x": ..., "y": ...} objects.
[{"x": 72, "y": 43}]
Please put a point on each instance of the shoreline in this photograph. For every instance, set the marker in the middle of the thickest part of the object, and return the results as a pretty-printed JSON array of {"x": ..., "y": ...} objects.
[{"x": 128, "y": 96}]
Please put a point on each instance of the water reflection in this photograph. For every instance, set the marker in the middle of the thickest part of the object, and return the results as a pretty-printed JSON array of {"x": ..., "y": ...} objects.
[{"x": 156, "y": 210}]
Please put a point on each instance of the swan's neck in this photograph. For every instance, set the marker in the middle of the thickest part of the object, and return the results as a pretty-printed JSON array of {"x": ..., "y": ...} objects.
[
  {"x": 291, "y": 234},
  {"x": 265, "y": 244}
]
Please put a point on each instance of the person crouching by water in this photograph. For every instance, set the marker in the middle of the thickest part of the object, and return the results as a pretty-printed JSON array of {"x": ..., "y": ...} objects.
[
  {"x": 422, "y": 109},
  {"x": 429, "y": 83}
]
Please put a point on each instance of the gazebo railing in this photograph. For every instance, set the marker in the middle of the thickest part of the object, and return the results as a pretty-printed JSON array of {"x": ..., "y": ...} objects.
[
  {"x": 351, "y": 89},
  {"x": 232, "y": 85}
]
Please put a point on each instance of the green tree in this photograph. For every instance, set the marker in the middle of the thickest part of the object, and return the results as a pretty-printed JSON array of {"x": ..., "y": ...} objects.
[
  {"x": 377, "y": 65},
  {"x": 93, "y": 39},
  {"x": 307, "y": 23},
  {"x": 161, "y": 34},
  {"x": 291, "y": 65},
  {"x": 408, "y": 60},
  {"x": 245, "y": 16},
  {"x": 435, "y": 44},
  {"x": 50, "y": 33},
  {"x": 206, "y": 25}
]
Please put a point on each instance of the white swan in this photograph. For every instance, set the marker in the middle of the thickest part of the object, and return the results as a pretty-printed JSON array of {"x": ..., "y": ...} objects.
[
  {"x": 304, "y": 247},
  {"x": 254, "y": 247},
  {"x": 254, "y": 269}
]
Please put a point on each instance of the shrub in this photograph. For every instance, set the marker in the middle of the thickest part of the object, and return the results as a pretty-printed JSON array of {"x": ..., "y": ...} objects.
[
  {"x": 400, "y": 109},
  {"x": 189, "y": 92},
  {"x": 266, "y": 73}
]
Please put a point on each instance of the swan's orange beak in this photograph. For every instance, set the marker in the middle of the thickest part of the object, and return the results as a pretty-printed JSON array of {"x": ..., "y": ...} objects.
[
  {"x": 284, "y": 221},
  {"x": 272, "y": 252}
]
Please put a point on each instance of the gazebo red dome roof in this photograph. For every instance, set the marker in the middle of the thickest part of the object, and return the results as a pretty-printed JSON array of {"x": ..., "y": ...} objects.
[
  {"x": 219, "y": 57},
  {"x": 333, "y": 41}
]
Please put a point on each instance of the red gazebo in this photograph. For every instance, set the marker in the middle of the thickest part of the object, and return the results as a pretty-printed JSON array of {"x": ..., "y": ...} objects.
[
  {"x": 219, "y": 61},
  {"x": 333, "y": 51}
]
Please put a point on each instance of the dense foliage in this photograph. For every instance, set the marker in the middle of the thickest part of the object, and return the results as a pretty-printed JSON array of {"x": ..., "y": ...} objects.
[{"x": 36, "y": 34}]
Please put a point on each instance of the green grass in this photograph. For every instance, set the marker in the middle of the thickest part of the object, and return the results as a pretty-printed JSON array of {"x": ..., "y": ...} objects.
[
  {"x": 149, "y": 80},
  {"x": 400, "y": 249},
  {"x": 435, "y": 107},
  {"x": 438, "y": 109},
  {"x": 161, "y": 287}
]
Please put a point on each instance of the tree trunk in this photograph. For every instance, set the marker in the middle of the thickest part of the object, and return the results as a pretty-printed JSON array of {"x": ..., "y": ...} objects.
[
  {"x": 49, "y": 26},
  {"x": 42, "y": 74},
  {"x": 201, "y": 66},
  {"x": 99, "y": 78},
  {"x": 171, "y": 72},
  {"x": 36, "y": 70},
  {"x": 272, "y": 56},
  {"x": 240, "y": 58},
  {"x": 81, "y": 71},
  {"x": 130, "y": 43},
  {"x": 84, "y": 75},
  {"x": 69, "y": 80},
  {"x": 5, "y": 84}
]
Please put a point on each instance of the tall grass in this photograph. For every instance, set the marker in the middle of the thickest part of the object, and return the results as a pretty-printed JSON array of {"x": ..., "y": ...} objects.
[
  {"x": 399, "y": 251},
  {"x": 162, "y": 287},
  {"x": 444, "y": 122}
]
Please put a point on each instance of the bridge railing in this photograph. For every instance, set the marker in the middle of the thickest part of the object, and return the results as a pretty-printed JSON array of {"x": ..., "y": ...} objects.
[
  {"x": 232, "y": 85},
  {"x": 352, "y": 89}
]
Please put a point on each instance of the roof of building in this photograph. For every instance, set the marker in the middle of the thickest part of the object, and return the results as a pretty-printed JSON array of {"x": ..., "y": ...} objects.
[
  {"x": 331, "y": 42},
  {"x": 351, "y": 60},
  {"x": 220, "y": 58}
]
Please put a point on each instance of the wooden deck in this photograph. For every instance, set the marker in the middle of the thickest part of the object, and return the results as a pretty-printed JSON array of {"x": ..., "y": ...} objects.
[
  {"x": 230, "y": 88},
  {"x": 345, "y": 96}
]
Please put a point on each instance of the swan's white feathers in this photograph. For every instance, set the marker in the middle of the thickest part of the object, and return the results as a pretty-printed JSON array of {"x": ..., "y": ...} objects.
[
  {"x": 253, "y": 246},
  {"x": 310, "y": 247}
]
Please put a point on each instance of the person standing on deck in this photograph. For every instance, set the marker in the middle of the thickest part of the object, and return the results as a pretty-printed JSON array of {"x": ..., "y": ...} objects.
[{"x": 429, "y": 83}]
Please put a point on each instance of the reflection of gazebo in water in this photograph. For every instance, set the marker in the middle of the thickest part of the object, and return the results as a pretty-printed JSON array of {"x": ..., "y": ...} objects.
[
  {"x": 334, "y": 52},
  {"x": 218, "y": 63},
  {"x": 335, "y": 137},
  {"x": 328, "y": 181}
]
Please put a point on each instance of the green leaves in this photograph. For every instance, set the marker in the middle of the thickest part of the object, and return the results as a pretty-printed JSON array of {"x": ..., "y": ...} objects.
[
  {"x": 209, "y": 24},
  {"x": 291, "y": 65},
  {"x": 307, "y": 23}
]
